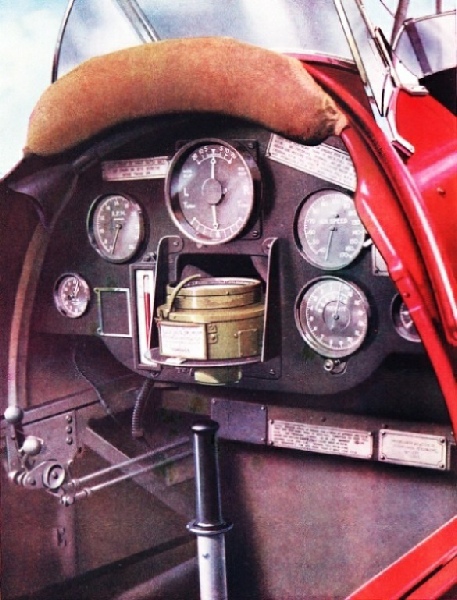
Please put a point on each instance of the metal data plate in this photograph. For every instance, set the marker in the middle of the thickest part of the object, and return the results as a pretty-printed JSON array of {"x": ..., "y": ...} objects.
[
  {"x": 240, "y": 421},
  {"x": 323, "y": 161},
  {"x": 134, "y": 169},
  {"x": 319, "y": 438},
  {"x": 413, "y": 449}
]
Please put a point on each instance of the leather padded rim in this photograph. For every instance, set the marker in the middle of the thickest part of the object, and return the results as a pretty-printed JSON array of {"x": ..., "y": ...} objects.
[{"x": 219, "y": 75}]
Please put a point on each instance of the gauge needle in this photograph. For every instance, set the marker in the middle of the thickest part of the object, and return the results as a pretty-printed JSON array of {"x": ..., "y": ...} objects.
[
  {"x": 116, "y": 235},
  {"x": 212, "y": 162},
  {"x": 73, "y": 294},
  {"x": 329, "y": 241},
  {"x": 336, "y": 315},
  {"x": 76, "y": 290},
  {"x": 214, "y": 213},
  {"x": 333, "y": 228}
]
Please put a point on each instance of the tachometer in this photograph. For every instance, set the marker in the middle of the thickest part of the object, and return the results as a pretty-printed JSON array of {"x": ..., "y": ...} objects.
[
  {"x": 210, "y": 191},
  {"x": 332, "y": 316},
  {"x": 328, "y": 230},
  {"x": 115, "y": 227}
]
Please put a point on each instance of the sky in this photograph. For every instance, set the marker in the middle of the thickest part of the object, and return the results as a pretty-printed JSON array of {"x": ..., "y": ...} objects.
[{"x": 28, "y": 35}]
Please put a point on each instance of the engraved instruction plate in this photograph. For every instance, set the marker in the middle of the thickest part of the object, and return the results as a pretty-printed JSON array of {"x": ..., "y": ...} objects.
[
  {"x": 318, "y": 438},
  {"x": 323, "y": 161},
  {"x": 412, "y": 449},
  {"x": 135, "y": 168},
  {"x": 183, "y": 341}
]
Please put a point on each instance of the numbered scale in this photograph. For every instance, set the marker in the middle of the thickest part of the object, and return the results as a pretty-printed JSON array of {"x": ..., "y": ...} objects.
[
  {"x": 328, "y": 230},
  {"x": 209, "y": 191},
  {"x": 332, "y": 316},
  {"x": 71, "y": 295}
]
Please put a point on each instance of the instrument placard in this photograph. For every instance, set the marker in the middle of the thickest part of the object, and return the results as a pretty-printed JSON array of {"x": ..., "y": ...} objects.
[
  {"x": 135, "y": 168},
  {"x": 323, "y": 161},
  {"x": 183, "y": 341},
  {"x": 412, "y": 449},
  {"x": 322, "y": 439}
]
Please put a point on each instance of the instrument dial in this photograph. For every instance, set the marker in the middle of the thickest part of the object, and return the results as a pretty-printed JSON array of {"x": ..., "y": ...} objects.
[
  {"x": 403, "y": 321},
  {"x": 116, "y": 227},
  {"x": 332, "y": 316},
  {"x": 210, "y": 191},
  {"x": 328, "y": 230},
  {"x": 71, "y": 295}
]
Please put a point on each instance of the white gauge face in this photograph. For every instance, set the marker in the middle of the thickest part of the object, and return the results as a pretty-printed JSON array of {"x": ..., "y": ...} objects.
[
  {"x": 332, "y": 315},
  {"x": 210, "y": 191},
  {"x": 116, "y": 227},
  {"x": 329, "y": 230},
  {"x": 71, "y": 295}
]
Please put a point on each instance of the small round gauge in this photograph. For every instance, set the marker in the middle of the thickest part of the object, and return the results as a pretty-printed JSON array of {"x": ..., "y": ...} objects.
[
  {"x": 71, "y": 295},
  {"x": 115, "y": 226},
  {"x": 328, "y": 230},
  {"x": 332, "y": 316},
  {"x": 210, "y": 191},
  {"x": 403, "y": 321}
]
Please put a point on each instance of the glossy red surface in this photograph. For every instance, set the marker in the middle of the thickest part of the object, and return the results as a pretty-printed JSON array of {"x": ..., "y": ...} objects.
[
  {"x": 426, "y": 572},
  {"x": 408, "y": 206},
  {"x": 432, "y": 129},
  {"x": 413, "y": 233}
]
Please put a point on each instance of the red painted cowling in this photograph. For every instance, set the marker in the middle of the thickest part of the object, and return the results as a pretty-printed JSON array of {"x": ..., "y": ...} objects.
[{"x": 404, "y": 204}]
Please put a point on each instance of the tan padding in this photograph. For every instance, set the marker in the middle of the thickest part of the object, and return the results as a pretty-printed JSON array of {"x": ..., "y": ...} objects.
[{"x": 194, "y": 74}]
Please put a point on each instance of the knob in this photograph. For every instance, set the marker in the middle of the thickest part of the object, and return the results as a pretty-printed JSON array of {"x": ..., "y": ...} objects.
[
  {"x": 13, "y": 414},
  {"x": 32, "y": 445}
]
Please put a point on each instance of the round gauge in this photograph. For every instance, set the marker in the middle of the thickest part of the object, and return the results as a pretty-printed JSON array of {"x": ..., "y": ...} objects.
[
  {"x": 332, "y": 316},
  {"x": 71, "y": 295},
  {"x": 115, "y": 227},
  {"x": 328, "y": 229},
  {"x": 403, "y": 321},
  {"x": 209, "y": 191}
]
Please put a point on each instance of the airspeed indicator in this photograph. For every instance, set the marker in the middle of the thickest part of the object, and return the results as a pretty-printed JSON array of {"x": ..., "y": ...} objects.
[{"x": 328, "y": 230}]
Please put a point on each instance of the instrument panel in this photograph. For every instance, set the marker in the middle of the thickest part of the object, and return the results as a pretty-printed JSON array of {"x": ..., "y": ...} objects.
[{"x": 221, "y": 199}]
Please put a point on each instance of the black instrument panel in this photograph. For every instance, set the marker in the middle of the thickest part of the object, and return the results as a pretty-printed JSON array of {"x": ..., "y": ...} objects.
[{"x": 219, "y": 197}]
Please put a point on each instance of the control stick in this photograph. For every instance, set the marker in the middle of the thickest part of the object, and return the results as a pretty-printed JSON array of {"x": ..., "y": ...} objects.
[{"x": 209, "y": 526}]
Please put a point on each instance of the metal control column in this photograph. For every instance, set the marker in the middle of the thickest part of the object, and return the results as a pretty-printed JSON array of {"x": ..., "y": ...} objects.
[{"x": 209, "y": 526}]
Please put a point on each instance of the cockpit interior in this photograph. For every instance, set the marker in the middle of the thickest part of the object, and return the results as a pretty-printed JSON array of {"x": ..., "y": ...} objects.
[{"x": 229, "y": 351}]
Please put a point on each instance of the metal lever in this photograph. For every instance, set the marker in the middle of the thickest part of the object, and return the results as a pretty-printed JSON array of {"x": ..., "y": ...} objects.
[{"x": 209, "y": 526}]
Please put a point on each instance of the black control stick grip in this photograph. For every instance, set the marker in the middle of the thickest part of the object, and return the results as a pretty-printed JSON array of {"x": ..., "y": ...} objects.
[{"x": 207, "y": 484}]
